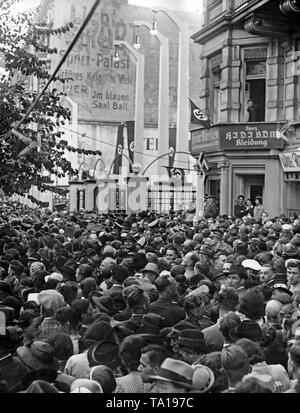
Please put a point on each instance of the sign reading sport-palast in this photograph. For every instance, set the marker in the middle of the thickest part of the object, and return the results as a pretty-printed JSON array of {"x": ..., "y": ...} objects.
[{"x": 103, "y": 87}]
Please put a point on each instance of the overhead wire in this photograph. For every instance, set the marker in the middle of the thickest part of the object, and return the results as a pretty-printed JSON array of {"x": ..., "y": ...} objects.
[{"x": 112, "y": 145}]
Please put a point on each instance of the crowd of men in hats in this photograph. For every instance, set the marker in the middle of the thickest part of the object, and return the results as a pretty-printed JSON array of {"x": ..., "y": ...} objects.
[{"x": 148, "y": 303}]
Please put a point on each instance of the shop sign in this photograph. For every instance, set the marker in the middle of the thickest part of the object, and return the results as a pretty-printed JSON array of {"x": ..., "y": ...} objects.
[
  {"x": 251, "y": 136},
  {"x": 204, "y": 140},
  {"x": 290, "y": 161}
]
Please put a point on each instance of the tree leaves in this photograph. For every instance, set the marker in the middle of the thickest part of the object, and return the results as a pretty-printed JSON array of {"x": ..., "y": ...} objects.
[{"x": 21, "y": 40}]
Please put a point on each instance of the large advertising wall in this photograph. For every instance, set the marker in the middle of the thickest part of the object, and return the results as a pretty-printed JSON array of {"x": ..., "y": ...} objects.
[{"x": 103, "y": 88}]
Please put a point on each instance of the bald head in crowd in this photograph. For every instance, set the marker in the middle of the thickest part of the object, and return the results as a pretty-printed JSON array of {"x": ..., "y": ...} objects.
[{"x": 273, "y": 308}]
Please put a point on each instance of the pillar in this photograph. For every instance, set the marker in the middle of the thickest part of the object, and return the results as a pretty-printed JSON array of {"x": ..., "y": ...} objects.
[
  {"x": 74, "y": 186},
  {"x": 90, "y": 185},
  {"x": 200, "y": 194},
  {"x": 224, "y": 189}
]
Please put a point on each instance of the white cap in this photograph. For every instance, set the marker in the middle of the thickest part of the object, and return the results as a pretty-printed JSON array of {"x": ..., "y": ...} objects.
[
  {"x": 54, "y": 276},
  {"x": 252, "y": 264}
]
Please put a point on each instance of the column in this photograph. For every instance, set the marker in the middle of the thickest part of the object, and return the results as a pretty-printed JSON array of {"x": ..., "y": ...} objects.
[
  {"x": 163, "y": 98},
  {"x": 139, "y": 101},
  {"x": 224, "y": 189},
  {"x": 275, "y": 82},
  {"x": 200, "y": 194},
  {"x": 90, "y": 185},
  {"x": 74, "y": 186},
  {"x": 230, "y": 82}
]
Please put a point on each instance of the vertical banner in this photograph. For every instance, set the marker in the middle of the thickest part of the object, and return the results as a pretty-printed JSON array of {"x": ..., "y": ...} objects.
[
  {"x": 172, "y": 146},
  {"x": 119, "y": 150},
  {"x": 130, "y": 140}
]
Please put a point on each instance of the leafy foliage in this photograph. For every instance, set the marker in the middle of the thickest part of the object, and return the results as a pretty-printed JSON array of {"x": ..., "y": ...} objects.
[{"x": 21, "y": 41}]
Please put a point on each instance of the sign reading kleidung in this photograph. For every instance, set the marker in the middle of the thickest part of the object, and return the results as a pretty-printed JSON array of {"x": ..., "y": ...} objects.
[{"x": 250, "y": 136}]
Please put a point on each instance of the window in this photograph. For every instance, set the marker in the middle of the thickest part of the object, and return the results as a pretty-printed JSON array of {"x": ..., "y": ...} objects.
[{"x": 254, "y": 89}]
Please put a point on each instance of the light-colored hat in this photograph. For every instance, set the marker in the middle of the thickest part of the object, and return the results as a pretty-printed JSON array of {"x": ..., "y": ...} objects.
[
  {"x": 203, "y": 378},
  {"x": 265, "y": 380},
  {"x": 91, "y": 385},
  {"x": 200, "y": 290},
  {"x": 54, "y": 276},
  {"x": 252, "y": 264},
  {"x": 177, "y": 372},
  {"x": 151, "y": 267}
]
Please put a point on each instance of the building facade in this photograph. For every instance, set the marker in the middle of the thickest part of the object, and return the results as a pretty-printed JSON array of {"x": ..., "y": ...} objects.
[
  {"x": 105, "y": 89},
  {"x": 250, "y": 68}
]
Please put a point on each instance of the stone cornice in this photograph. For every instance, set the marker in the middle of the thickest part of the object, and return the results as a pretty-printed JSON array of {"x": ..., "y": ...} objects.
[{"x": 213, "y": 29}]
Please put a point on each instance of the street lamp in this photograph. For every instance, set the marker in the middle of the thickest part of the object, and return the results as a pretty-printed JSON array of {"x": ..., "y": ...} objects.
[
  {"x": 163, "y": 100},
  {"x": 139, "y": 101},
  {"x": 182, "y": 132}
]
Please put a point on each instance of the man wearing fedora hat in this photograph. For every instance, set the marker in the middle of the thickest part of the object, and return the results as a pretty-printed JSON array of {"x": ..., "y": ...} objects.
[
  {"x": 191, "y": 345},
  {"x": 174, "y": 376},
  {"x": 149, "y": 275}
]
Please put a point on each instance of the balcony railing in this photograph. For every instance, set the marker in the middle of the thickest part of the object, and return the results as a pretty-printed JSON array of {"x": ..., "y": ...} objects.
[{"x": 236, "y": 4}]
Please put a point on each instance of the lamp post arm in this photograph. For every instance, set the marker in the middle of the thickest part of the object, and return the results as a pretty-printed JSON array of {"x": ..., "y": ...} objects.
[
  {"x": 115, "y": 159},
  {"x": 162, "y": 156},
  {"x": 129, "y": 47}
]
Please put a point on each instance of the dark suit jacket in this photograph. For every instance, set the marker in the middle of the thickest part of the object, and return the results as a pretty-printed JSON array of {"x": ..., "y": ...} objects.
[{"x": 171, "y": 311}]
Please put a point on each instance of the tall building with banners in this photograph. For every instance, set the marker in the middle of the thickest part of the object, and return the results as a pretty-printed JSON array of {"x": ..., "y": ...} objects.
[
  {"x": 250, "y": 67},
  {"x": 103, "y": 78}
]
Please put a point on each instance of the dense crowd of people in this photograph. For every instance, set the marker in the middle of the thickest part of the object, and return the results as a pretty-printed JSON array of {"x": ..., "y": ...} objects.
[{"x": 148, "y": 303}]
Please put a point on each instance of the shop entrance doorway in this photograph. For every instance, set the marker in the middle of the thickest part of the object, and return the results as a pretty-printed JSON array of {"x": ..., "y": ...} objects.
[{"x": 254, "y": 186}]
